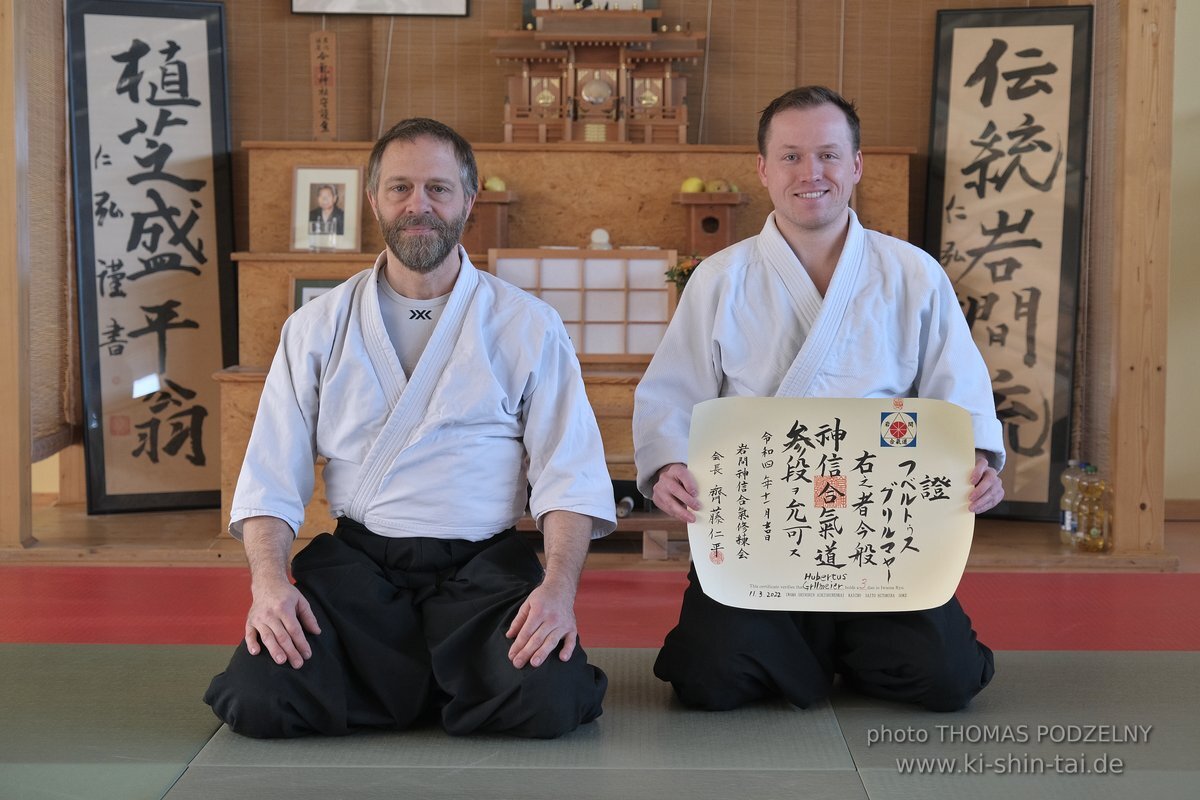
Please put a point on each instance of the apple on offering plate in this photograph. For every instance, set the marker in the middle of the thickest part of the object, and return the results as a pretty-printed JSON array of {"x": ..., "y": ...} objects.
[{"x": 716, "y": 186}]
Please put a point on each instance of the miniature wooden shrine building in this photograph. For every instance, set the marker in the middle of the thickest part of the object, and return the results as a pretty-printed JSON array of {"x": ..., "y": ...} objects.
[{"x": 596, "y": 75}]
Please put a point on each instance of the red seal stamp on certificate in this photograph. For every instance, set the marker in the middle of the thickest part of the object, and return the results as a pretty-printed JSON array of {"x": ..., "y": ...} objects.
[
  {"x": 829, "y": 491},
  {"x": 898, "y": 429},
  {"x": 716, "y": 556}
]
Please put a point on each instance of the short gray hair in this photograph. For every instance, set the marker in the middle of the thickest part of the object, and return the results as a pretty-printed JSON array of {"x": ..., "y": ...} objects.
[{"x": 410, "y": 130}]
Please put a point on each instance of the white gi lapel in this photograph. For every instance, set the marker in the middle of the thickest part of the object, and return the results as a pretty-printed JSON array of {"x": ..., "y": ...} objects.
[
  {"x": 824, "y": 329},
  {"x": 409, "y": 399},
  {"x": 376, "y": 341},
  {"x": 777, "y": 254}
]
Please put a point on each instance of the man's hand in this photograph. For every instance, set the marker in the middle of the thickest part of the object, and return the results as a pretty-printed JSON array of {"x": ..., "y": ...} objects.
[
  {"x": 676, "y": 492},
  {"x": 988, "y": 490},
  {"x": 278, "y": 617},
  {"x": 279, "y": 614},
  {"x": 546, "y": 618}
]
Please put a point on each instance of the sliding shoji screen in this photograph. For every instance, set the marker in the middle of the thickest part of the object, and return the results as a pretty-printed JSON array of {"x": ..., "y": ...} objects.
[{"x": 613, "y": 302}]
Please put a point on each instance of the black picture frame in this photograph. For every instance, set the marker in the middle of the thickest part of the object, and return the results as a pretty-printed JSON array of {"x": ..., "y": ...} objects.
[
  {"x": 982, "y": 118},
  {"x": 178, "y": 213},
  {"x": 305, "y": 290}
]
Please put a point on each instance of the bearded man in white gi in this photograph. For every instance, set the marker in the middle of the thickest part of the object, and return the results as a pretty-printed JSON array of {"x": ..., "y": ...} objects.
[
  {"x": 437, "y": 395},
  {"x": 814, "y": 306}
]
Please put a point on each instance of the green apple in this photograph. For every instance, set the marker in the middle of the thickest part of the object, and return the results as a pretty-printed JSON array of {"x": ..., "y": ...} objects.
[
  {"x": 692, "y": 185},
  {"x": 494, "y": 184},
  {"x": 718, "y": 185}
]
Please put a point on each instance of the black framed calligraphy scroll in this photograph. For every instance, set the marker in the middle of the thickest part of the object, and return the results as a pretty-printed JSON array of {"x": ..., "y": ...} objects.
[
  {"x": 1005, "y": 216},
  {"x": 150, "y": 143}
]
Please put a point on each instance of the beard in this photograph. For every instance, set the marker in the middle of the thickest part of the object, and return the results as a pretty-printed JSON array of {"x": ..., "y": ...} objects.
[{"x": 424, "y": 252}]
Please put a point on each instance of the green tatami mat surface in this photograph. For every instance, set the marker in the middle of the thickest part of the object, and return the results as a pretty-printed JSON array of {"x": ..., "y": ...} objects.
[
  {"x": 102, "y": 721},
  {"x": 642, "y": 727},
  {"x": 647, "y": 746},
  {"x": 1051, "y": 725}
]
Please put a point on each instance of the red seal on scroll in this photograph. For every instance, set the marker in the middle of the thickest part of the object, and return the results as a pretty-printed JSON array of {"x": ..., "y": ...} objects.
[{"x": 716, "y": 556}]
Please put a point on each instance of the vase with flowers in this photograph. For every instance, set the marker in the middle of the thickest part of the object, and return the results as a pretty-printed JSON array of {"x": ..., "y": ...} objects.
[{"x": 683, "y": 270}]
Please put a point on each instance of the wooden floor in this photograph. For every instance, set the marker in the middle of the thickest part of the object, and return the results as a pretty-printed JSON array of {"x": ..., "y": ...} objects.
[{"x": 66, "y": 534}]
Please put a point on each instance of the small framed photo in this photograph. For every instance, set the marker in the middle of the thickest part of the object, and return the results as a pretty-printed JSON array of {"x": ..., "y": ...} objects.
[
  {"x": 327, "y": 208},
  {"x": 307, "y": 289}
]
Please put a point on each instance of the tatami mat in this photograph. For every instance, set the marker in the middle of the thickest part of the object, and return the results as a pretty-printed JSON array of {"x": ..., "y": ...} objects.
[
  {"x": 643, "y": 732},
  {"x": 1044, "y": 715},
  {"x": 348, "y": 783},
  {"x": 100, "y": 721},
  {"x": 886, "y": 784},
  {"x": 123, "y": 722},
  {"x": 647, "y": 746},
  {"x": 1051, "y": 690}
]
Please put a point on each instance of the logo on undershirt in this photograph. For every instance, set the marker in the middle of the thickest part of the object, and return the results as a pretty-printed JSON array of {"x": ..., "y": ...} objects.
[{"x": 420, "y": 313}]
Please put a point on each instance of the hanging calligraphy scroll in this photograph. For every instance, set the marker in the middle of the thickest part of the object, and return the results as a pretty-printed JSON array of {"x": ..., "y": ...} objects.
[
  {"x": 1005, "y": 217},
  {"x": 150, "y": 143},
  {"x": 322, "y": 47},
  {"x": 817, "y": 504}
]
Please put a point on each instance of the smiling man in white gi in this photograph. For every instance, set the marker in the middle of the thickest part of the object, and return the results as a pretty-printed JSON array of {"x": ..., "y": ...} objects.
[
  {"x": 437, "y": 394},
  {"x": 813, "y": 306}
]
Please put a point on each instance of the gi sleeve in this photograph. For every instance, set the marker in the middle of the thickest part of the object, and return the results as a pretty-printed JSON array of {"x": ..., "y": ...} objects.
[
  {"x": 277, "y": 475},
  {"x": 562, "y": 441},
  {"x": 952, "y": 369},
  {"x": 685, "y": 370}
]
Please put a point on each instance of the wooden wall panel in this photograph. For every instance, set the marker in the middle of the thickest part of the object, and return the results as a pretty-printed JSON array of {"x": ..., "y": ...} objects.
[
  {"x": 54, "y": 404},
  {"x": 442, "y": 67},
  {"x": 265, "y": 296},
  {"x": 560, "y": 200},
  {"x": 15, "y": 509},
  {"x": 1139, "y": 335},
  {"x": 877, "y": 52},
  {"x": 269, "y": 80},
  {"x": 271, "y": 172}
]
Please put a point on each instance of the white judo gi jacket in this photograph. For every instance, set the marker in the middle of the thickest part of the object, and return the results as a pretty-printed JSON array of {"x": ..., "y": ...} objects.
[
  {"x": 496, "y": 396},
  {"x": 752, "y": 324}
]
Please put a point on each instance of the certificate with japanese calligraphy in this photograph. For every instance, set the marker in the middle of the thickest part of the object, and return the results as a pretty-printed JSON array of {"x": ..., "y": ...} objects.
[
  {"x": 150, "y": 143},
  {"x": 823, "y": 504}
]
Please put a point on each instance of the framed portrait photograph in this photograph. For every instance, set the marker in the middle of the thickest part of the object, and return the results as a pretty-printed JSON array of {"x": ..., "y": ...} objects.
[
  {"x": 326, "y": 208},
  {"x": 422, "y": 8},
  {"x": 305, "y": 290}
]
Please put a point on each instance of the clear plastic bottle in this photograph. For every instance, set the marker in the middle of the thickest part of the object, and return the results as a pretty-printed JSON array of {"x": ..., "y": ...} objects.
[
  {"x": 1080, "y": 506},
  {"x": 1093, "y": 533},
  {"x": 1068, "y": 523}
]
